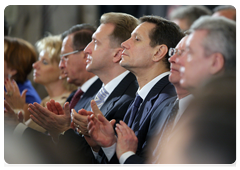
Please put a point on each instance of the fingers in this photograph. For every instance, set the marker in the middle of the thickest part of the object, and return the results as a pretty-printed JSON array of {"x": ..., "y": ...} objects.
[
  {"x": 24, "y": 93},
  {"x": 67, "y": 109},
  {"x": 40, "y": 109},
  {"x": 84, "y": 112},
  {"x": 81, "y": 122},
  {"x": 15, "y": 87},
  {"x": 7, "y": 106},
  {"x": 7, "y": 84},
  {"x": 37, "y": 120},
  {"x": 20, "y": 116},
  {"x": 95, "y": 108},
  {"x": 52, "y": 106},
  {"x": 91, "y": 124},
  {"x": 123, "y": 129},
  {"x": 49, "y": 106},
  {"x": 102, "y": 119},
  {"x": 59, "y": 108},
  {"x": 37, "y": 115},
  {"x": 113, "y": 121}
]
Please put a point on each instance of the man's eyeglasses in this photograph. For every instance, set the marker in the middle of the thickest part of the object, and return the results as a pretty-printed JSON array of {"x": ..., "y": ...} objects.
[
  {"x": 65, "y": 56},
  {"x": 173, "y": 51}
]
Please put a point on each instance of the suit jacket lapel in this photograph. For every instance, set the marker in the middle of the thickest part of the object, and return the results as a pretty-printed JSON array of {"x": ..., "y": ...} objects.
[
  {"x": 117, "y": 93},
  {"x": 84, "y": 102},
  {"x": 152, "y": 101}
]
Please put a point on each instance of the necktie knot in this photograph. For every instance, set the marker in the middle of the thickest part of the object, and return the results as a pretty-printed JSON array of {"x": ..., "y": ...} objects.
[{"x": 138, "y": 100}]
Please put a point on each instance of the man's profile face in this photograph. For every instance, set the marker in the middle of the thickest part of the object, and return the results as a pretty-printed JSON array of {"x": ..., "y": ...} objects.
[
  {"x": 174, "y": 76},
  {"x": 99, "y": 52},
  {"x": 137, "y": 52},
  {"x": 74, "y": 66},
  {"x": 195, "y": 65}
]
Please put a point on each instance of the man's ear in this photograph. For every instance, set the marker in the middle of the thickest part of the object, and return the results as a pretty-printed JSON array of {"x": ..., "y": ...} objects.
[
  {"x": 160, "y": 52},
  {"x": 117, "y": 57},
  {"x": 217, "y": 63}
]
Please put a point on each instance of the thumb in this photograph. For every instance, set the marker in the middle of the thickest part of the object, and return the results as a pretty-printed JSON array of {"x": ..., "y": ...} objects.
[
  {"x": 73, "y": 112},
  {"x": 102, "y": 119},
  {"x": 24, "y": 93},
  {"x": 20, "y": 116},
  {"x": 67, "y": 109},
  {"x": 113, "y": 121},
  {"x": 95, "y": 108}
]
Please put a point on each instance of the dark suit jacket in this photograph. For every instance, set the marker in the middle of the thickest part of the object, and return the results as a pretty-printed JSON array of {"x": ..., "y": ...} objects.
[
  {"x": 115, "y": 107},
  {"x": 156, "y": 127},
  {"x": 70, "y": 96},
  {"x": 161, "y": 91},
  {"x": 43, "y": 141}
]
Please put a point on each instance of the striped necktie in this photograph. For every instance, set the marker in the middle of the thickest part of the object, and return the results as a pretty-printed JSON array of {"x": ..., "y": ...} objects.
[{"x": 101, "y": 96}]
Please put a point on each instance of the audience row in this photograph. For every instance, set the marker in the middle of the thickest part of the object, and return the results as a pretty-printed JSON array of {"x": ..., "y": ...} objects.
[{"x": 146, "y": 93}]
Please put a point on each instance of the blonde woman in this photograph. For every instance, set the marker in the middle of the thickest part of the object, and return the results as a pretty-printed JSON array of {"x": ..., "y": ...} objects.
[{"x": 47, "y": 73}]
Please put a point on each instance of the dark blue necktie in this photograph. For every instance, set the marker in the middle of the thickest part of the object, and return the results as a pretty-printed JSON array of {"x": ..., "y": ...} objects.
[{"x": 134, "y": 108}]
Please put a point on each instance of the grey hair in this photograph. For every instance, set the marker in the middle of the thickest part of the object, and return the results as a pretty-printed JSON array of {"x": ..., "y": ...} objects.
[
  {"x": 221, "y": 38},
  {"x": 224, "y": 7},
  {"x": 190, "y": 12}
]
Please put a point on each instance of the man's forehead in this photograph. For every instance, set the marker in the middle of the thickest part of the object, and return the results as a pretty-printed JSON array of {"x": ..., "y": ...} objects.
[
  {"x": 143, "y": 29},
  {"x": 196, "y": 37},
  {"x": 182, "y": 43},
  {"x": 67, "y": 44}
]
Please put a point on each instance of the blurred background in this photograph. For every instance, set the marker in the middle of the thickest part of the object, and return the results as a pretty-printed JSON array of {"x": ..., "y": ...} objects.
[{"x": 33, "y": 22}]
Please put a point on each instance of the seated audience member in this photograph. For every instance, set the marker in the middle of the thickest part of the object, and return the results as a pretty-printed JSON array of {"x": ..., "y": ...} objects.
[
  {"x": 169, "y": 115},
  {"x": 47, "y": 73},
  {"x": 19, "y": 55},
  {"x": 203, "y": 61},
  {"x": 207, "y": 132},
  {"x": 74, "y": 67},
  {"x": 210, "y": 51},
  {"x": 213, "y": 70},
  {"x": 184, "y": 16},
  {"x": 227, "y": 11},
  {"x": 146, "y": 56},
  {"x": 103, "y": 55}
]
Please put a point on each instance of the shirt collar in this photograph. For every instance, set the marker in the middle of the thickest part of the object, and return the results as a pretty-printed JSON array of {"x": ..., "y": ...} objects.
[
  {"x": 88, "y": 83},
  {"x": 146, "y": 89}
]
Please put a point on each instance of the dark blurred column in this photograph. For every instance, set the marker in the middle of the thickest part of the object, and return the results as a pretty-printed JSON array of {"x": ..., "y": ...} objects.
[{"x": 46, "y": 19}]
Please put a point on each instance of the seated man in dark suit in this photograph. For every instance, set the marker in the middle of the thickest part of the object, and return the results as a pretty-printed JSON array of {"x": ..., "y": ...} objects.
[
  {"x": 74, "y": 64},
  {"x": 146, "y": 55},
  {"x": 118, "y": 90},
  {"x": 191, "y": 79}
]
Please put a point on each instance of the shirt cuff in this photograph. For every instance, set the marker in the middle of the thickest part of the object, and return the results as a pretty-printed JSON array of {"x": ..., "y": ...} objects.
[
  {"x": 125, "y": 156},
  {"x": 109, "y": 151},
  {"x": 20, "y": 128}
]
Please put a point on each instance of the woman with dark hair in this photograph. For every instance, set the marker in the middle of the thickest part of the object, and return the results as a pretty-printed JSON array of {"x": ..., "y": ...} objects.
[{"x": 19, "y": 55}]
